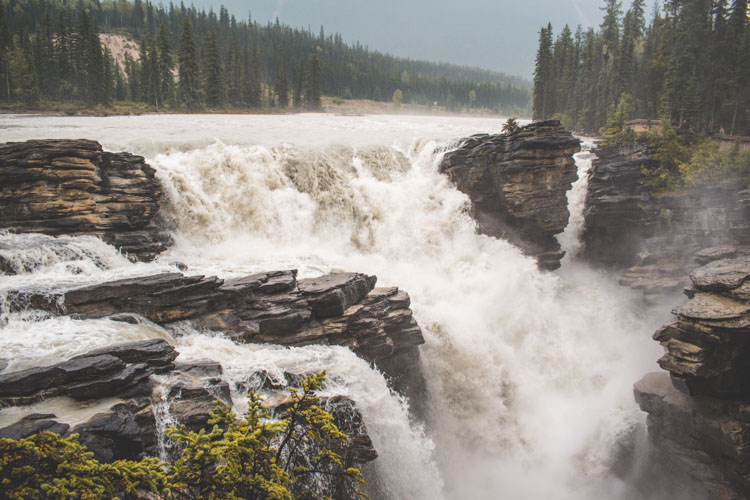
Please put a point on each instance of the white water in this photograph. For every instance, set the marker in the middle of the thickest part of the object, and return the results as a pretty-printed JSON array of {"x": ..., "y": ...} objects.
[{"x": 529, "y": 374}]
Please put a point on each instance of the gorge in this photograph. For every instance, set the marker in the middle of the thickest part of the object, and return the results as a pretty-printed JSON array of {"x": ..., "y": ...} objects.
[{"x": 523, "y": 385}]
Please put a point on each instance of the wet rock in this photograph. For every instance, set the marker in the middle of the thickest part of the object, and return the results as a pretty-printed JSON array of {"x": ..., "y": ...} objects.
[
  {"x": 100, "y": 373},
  {"x": 337, "y": 309},
  {"x": 160, "y": 298},
  {"x": 658, "y": 237},
  {"x": 359, "y": 448},
  {"x": 73, "y": 187},
  {"x": 707, "y": 347},
  {"x": 701, "y": 442},
  {"x": 699, "y": 413},
  {"x": 518, "y": 184},
  {"x": 332, "y": 294},
  {"x": 190, "y": 405},
  {"x": 33, "y": 424},
  {"x": 111, "y": 435},
  {"x": 200, "y": 368}
]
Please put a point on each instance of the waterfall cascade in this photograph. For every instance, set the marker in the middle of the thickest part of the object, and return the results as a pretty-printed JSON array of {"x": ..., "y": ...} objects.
[{"x": 529, "y": 374}]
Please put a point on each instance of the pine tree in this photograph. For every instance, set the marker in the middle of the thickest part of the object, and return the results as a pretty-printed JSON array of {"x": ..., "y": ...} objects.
[
  {"x": 45, "y": 56},
  {"x": 313, "y": 91},
  {"x": 542, "y": 75},
  {"x": 299, "y": 85},
  {"x": 5, "y": 46},
  {"x": 164, "y": 67},
  {"x": 189, "y": 77},
  {"x": 639, "y": 16},
  {"x": 255, "y": 99},
  {"x": 214, "y": 88},
  {"x": 281, "y": 87}
]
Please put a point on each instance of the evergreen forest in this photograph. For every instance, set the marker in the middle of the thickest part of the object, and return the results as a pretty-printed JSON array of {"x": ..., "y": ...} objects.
[
  {"x": 689, "y": 65},
  {"x": 52, "y": 51}
]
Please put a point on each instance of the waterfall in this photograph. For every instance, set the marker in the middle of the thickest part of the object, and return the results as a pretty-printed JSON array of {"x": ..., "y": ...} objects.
[{"x": 529, "y": 374}]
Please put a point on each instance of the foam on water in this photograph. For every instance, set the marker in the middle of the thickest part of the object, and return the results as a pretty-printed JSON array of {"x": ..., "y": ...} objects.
[{"x": 529, "y": 374}]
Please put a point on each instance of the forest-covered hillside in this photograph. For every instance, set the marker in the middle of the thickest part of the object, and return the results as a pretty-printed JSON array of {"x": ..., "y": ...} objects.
[
  {"x": 690, "y": 65},
  {"x": 50, "y": 50}
]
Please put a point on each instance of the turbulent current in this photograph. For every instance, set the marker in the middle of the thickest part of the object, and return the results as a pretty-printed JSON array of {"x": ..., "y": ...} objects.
[{"x": 529, "y": 374}]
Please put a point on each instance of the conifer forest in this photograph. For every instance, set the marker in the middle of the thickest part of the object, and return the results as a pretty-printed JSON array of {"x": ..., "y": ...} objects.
[
  {"x": 189, "y": 59},
  {"x": 689, "y": 64}
]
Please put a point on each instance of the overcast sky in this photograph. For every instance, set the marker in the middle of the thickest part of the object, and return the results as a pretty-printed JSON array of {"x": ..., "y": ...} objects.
[{"x": 496, "y": 34}]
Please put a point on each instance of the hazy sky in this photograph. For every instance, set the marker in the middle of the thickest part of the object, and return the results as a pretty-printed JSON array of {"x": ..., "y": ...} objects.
[{"x": 494, "y": 34}]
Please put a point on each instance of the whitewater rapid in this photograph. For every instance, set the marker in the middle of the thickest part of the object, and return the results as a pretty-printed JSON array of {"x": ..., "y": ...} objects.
[{"x": 529, "y": 374}]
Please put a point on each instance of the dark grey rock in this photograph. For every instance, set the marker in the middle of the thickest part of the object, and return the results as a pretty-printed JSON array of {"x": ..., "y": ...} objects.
[{"x": 32, "y": 424}]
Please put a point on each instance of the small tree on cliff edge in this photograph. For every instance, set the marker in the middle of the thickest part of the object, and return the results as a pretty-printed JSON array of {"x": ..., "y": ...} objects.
[{"x": 511, "y": 125}]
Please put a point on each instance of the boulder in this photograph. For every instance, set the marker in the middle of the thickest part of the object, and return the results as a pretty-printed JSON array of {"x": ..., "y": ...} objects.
[
  {"x": 73, "y": 187},
  {"x": 518, "y": 185}
]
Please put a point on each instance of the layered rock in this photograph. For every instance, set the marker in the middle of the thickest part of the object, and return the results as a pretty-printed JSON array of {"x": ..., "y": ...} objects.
[
  {"x": 518, "y": 183},
  {"x": 100, "y": 373},
  {"x": 73, "y": 187},
  {"x": 187, "y": 392},
  {"x": 336, "y": 309},
  {"x": 699, "y": 422},
  {"x": 658, "y": 237}
]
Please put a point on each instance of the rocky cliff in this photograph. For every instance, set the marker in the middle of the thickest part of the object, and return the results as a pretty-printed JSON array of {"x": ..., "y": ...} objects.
[
  {"x": 518, "y": 183},
  {"x": 699, "y": 421},
  {"x": 657, "y": 238},
  {"x": 74, "y": 187}
]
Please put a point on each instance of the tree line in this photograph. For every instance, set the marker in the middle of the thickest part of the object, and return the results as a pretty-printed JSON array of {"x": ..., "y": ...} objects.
[
  {"x": 192, "y": 59},
  {"x": 690, "y": 65}
]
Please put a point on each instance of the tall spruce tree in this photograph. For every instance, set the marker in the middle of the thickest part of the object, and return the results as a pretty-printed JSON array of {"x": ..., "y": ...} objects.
[
  {"x": 313, "y": 89},
  {"x": 189, "y": 75},
  {"x": 164, "y": 66},
  {"x": 543, "y": 75},
  {"x": 213, "y": 71}
]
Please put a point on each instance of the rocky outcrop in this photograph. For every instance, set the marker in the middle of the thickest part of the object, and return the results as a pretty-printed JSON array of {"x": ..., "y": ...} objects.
[
  {"x": 73, "y": 187},
  {"x": 658, "y": 238},
  {"x": 699, "y": 422},
  {"x": 186, "y": 394},
  {"x": 518, "y": 183},
  {"x": 101, "y": 373},
  {"x": 336, "y": 309}
]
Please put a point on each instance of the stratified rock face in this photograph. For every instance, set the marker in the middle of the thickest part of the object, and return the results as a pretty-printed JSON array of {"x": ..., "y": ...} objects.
[
  {"x": 708, "y": 346},
  {"x": 186, "y": 392},
  {"x": 335, "y": 309},
  {"x": 518, "y": 183},
  {"x": 615, "y": 205},
  {"x": 74, "y": 187},
  {"x": 100, "y": 373},
  {"x": 699, "y": 422},
  {"x": 660, "y": 238}
]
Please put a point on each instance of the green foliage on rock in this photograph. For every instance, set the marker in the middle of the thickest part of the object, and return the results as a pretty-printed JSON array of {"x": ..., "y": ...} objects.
[
  {"x": 688, "y": 162},
  {"x": 249, "y": 457}
]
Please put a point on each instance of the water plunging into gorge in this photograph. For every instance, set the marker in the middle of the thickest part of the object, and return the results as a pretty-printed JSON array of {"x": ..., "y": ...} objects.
[{"x": 528, "y": 374}]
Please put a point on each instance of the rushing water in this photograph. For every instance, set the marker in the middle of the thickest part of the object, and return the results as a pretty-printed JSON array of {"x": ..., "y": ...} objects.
[{"x": 529, "y": 374}]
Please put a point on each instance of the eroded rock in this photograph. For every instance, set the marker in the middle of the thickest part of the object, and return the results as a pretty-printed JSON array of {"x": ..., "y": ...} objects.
[
  {"x": 73, "y": 187},
  {"x": 518, "y": 183}
]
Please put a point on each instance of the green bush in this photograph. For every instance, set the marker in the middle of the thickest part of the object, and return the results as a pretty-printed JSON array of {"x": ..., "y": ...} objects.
[{"x": 250, "y": 457}]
